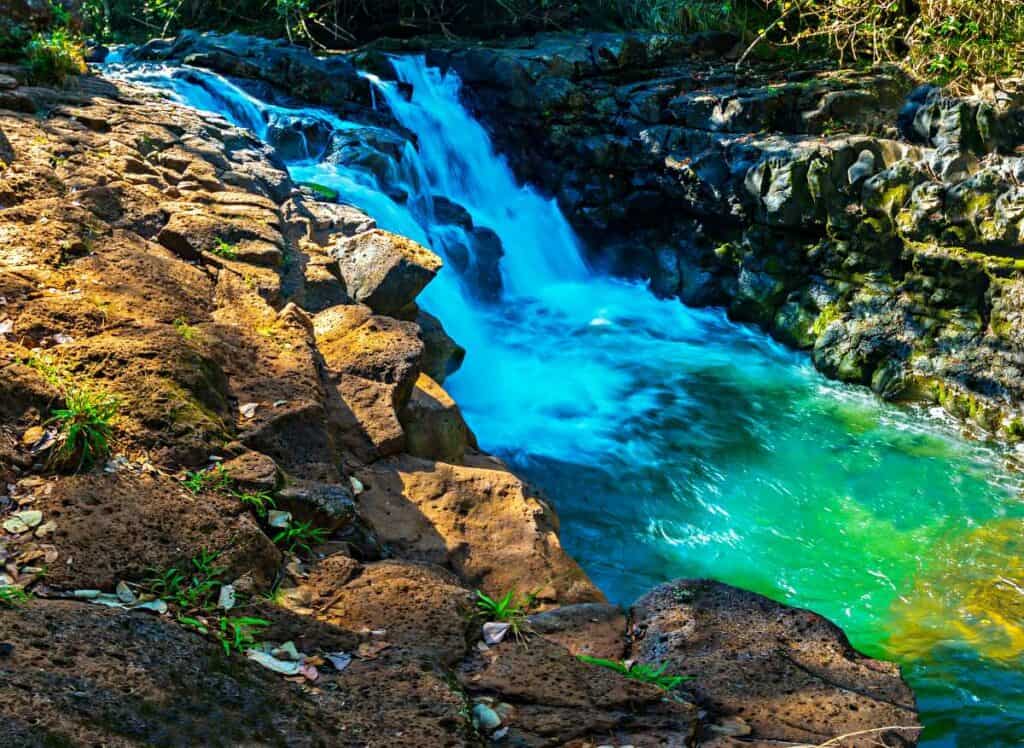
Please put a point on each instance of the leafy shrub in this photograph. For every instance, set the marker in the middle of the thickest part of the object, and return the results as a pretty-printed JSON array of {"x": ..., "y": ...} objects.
[{"x": 54, "y": 56}]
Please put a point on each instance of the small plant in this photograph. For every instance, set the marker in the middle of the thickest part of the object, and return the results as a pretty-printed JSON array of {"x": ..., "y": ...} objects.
[
  {"x": 84, "y": 427},
  {"x": 260, "y": 501},
  {"x": 193, "y": 589},
  {"x": 185, "y": 330},
  {"x": 505, "y": 610},
  {"x": 638, "y": 671},
  {"x": 54, "y": 56},
  {"x": 300, "y": 536},
  {"x": 213, "y": 479},
  {"x": 509, "y": 609},
  {"x": 234, "y": 634},
  {"x": 225, "y": 249},
  {"x": 11, "y": 595}
]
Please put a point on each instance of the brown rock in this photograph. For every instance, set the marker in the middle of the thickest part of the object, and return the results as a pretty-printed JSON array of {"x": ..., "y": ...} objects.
[
  {"x": 592, "y": 629},
  {"x": 383, "y": 270},
  {"x": 123, "y": 526},
  {"x": 559, "y": 700},
  {"x": 442, "y": 356},
  {"x": 420, "y": 608},
  {"x": 492, "y": 529},
  {"x": 253, "y": 470},
  {"x": 434, "y": 426},
  {"x": 79, "y": 674},
  {"x": 790, "y": 674}
]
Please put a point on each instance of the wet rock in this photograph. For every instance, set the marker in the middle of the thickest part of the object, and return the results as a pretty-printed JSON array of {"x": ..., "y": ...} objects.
[
  {"x": 790, "y": 674},
  {"x": 385, "y": 271}
]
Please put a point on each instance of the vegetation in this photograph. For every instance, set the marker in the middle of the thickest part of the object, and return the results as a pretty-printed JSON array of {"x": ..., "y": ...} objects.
[
  {"x": 84, "y": 427},
  {"x": 55, "y": 55},
  {"x": 259, "y": 501},
  {"x": 225, "y": 249},
  {"x": 195, "y": 592},
  {"x": 638, "y": 671},
  {"x": 212, "y": 479},
  {"x": 300, "y": 536},
  {"x": 509, "y": 609},
  {"x": 11, "y": 595}
]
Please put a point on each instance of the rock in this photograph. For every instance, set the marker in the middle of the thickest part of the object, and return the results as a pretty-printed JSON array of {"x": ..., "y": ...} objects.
[
  {"x": 433, "y": 424},
  {"x": 123, "y": 527},
  {"x": 790, "y": 674},
  {"x": 253, "y": 470},
  {"x": 422, "y": 609},
  {"x": 327, "y": 505},
  {"x": 489, "y": 526},
  {"x": 385, "y": 271},
  {"x": 184, "y": 688},
  {"x": 442, "y": 356},
  {"x": 592, "y": 629},
  {"x": 559, "y": 700},
  {"x": 485, "y": 718}
]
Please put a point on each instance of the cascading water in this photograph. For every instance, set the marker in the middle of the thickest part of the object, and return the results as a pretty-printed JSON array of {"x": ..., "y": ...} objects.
[{"x": 675, "y": 443}]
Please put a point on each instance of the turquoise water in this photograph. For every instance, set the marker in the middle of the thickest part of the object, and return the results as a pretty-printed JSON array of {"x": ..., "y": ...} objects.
[{"x": 675, "y": 443}]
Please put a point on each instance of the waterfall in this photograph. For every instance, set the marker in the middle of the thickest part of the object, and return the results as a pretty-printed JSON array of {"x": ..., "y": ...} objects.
[{"x": 673, "y": 442}]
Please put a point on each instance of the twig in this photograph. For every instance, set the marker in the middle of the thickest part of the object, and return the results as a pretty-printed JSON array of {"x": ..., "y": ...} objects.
[{"x": 839, "y": 738}]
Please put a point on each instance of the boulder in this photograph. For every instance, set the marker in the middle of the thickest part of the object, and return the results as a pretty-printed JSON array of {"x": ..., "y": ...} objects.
[
  {"x": 434, "y": 426},
  {"x": 790, "y": 675},
  {"x": 479, "y": 519},
  {"x": 125, "y": 525},
  {"x": 383, "y": 270}
]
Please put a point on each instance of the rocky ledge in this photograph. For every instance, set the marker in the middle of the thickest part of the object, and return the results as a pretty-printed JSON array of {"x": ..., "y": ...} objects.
[
  {"x": 877, "y": 225},
  {"x": 264, "y": 367}
]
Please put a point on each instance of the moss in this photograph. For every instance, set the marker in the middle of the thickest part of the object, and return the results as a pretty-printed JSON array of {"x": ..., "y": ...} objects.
[{"x": 829, "y": 314}]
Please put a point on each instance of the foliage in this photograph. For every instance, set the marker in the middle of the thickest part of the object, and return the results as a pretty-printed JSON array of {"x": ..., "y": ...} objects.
[
  {"x": 260, "y": 501},
  {"x": 225, "y": 249},
  {"x": 213, "y": 479},
  {"x": 11, "y": 595},
  {"x": 300, "y": 536},
  {"x": 508, "y": 609},
  {"x": 84, "y": 427},
  {"x": 184, "y": 329},
  {"x": 235, "y": 634},
  {"x": 55, "y": 55},
  {"x": 195, "y": 592},
  {"x": 638, "y": 671}
]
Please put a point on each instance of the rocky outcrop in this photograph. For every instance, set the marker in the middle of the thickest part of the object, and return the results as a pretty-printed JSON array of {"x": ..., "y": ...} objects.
[
  {"x": 875, "y": 226},
  {"x": 268, "y": 372}
]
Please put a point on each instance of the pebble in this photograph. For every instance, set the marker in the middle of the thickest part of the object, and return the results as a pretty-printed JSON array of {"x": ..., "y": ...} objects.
[{"x": 486, "y": 718}]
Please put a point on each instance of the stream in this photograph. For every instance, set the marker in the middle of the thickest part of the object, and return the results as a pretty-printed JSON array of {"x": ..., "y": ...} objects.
[{"x": 675, "y": 443}]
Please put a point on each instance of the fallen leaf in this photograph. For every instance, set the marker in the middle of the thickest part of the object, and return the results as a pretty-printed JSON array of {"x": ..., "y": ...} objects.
[
  {"x": 248, "y": 410},
  {"x": 495, "y": 633},
  {"x": 20, "y": 522},
  {"x": 226, "y": 598},
  {"x": 370, "y": 650},
  {"x": 272, "y": 663}
]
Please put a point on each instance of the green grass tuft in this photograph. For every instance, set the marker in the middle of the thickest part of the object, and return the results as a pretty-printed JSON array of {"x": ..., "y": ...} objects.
[
  {"x": 11, "y": 595},
  {"x": 84, "y": 427},
  {"x": 300, "y": 536},
  {"x": 638, "y": 671}
]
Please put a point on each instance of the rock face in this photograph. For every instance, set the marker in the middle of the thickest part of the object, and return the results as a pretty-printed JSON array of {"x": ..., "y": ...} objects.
[
  {"x": 770, "y": 673},
  {"x": 279, "y": 432},
  {"x": 875, "y": 226}
]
